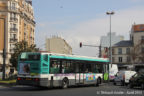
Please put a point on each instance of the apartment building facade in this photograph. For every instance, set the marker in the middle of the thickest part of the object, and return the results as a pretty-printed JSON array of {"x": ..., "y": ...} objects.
[
  {"x": 58, "y": 45},
  {"x": 17, "y": 21},
  {"x": 122, "y": 51}
]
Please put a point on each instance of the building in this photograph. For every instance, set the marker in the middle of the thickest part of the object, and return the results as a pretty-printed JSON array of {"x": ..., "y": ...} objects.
[
  {"x": 137, "y": 34},
  {"x": 18, "y": 17},
  {"x": 123, "y": 50},
  {"x": 58, "y": 45},
  {"x": 137, "y": 37},
  {"x": 105, "y": 42},
  {"x": 121, "y": 53}
]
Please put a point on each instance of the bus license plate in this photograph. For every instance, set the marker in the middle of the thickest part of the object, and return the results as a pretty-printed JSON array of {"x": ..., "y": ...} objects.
[{"x": 28, "y": 79}]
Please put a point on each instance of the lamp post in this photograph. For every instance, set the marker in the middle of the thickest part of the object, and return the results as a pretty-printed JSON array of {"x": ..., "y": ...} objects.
[
  {"x": 110, "y": 51},
  {"x": 4, "y": 49},
  {"x": 110, "y": 58}
]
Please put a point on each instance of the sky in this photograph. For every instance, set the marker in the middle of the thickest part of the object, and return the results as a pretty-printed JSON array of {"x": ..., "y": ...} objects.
[{"x": 84, "y": 21}]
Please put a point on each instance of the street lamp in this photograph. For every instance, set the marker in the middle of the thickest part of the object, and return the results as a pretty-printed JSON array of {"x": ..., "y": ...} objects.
[
  {"x": 4, "y": 49},
  {"x": 110, "y": 58}
]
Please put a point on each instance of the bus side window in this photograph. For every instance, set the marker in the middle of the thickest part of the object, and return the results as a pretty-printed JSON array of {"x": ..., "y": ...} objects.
[
  {"x": 95, "y": 68},
  {"x": 88, "y": 68},
  {"x": 77, "y": 68},
  {"x": 45, "y": 57},
  {"x": 55, "y": 67},
  {"x": 86, "y": 71},
  {"x": 96, "y": 71},
  {"x": 66, "y": 66}
]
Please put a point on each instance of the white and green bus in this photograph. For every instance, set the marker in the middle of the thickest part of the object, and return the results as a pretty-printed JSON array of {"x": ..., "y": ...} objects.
[{"x": 59, "y": 70}]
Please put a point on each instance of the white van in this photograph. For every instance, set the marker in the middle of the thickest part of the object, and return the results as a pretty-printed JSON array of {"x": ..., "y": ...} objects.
[
  {"x": 113, "y": 69},
  {"x": 123, "y": 77}
]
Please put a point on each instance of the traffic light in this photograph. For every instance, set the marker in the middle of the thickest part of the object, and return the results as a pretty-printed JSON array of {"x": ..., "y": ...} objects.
[
  {"x": 106, "y": 49},
  {"x": 80, "y": 44}
]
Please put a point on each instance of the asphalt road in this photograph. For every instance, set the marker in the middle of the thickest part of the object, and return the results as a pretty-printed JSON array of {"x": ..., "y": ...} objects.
[{"x": 102, "y": 90}]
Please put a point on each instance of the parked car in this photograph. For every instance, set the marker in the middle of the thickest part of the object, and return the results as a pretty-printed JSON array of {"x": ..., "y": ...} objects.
[
  {"x": 123, "y": 77},
  {"x": 113, "y": 69},
  {"x": 137, "y": 80}
]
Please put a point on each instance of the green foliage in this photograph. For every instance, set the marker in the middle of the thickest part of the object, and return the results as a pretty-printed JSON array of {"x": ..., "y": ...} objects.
[{"x": 21, "y": 47}]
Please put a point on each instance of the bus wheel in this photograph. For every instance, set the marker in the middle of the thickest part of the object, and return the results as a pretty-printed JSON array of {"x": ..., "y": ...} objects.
[
  {"x": 98, "y": 82},
  {"x": 65, "y": 83},
  {"x": 122, "y": 83},
  {"x": 114, "y": 83},
  {"x": 142, "y": 86},
  {"x": 130, "y": 85}
]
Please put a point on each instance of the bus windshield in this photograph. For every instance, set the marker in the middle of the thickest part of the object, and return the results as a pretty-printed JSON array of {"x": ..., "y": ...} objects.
[{"x": 30, "y": 56}]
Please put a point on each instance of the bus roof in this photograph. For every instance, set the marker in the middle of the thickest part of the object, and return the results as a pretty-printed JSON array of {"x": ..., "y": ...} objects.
[
  {"x": 76, "y": 57},
  {"x": 73, "y": 57}
]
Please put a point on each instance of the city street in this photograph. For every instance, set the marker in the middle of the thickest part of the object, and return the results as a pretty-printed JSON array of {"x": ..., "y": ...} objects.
[{"x": 103, "y": 90}]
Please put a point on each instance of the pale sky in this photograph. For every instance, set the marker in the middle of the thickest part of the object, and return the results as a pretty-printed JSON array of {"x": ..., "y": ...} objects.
[{"x": 85, "y": 21}]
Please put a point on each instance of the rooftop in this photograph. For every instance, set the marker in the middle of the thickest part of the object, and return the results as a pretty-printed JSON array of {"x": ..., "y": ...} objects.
[
  {"x": 138, "y": 28},
  {"x": 124, "y": 43}
]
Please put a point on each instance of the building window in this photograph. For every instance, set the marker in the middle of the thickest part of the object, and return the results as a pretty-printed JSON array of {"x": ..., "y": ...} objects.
[
  {"x": 142, "y": 49},
  {"x": 13, "y": 36},
  {"x": 127, "y": 50},
  {"x": 128, "y": 59},
  {"x": 119, "y": 50},
  {"x": 13, "y": 6},
  {"x": 13, "y": 26},
  {"x": 142, "y": 38},
  {"x": 13, "y": 16},
  {"x": 120, "y": 59},
  {"x": 113, "y": 59},
  {"x": 113, "y": 51},
  {"x": 12, "y": 46}
]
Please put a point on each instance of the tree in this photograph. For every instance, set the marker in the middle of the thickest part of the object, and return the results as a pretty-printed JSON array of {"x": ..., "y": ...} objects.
[
  {"x": 137, "y": 53},
  {"x": 21, "y": 46}
]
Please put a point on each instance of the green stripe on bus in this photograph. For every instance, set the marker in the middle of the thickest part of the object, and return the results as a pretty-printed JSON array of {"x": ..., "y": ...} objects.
[{"x": 74, "y": 58}]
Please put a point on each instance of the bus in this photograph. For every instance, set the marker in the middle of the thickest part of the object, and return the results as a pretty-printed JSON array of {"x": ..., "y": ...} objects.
[{"x": 59, "y": 70}]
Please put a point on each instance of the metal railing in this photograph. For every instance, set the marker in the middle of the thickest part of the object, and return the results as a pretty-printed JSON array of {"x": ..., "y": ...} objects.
[
  {"x": 13, "y": 40},
  {"x": 14, "y": 29},
  {"x": 14, "y": 9},
  {"x": 13, "y": 19},
  {"x": 8, "y": 8}
]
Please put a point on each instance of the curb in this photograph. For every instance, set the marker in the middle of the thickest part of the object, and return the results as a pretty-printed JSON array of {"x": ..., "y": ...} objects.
[{"x": 7, "y": 84}]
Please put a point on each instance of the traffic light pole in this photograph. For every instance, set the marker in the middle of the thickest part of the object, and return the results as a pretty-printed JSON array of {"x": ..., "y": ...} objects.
[{"x": 92, "y": 46}]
